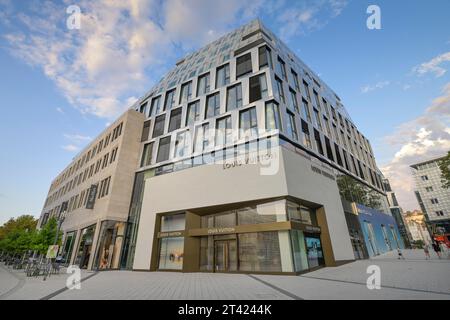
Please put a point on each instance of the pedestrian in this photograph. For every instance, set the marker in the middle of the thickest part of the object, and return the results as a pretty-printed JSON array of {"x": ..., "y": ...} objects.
[
  {"x": 437, "y": 249},
  {"x": 400, "y": 254},
  {"x": 427, "y": 251}
]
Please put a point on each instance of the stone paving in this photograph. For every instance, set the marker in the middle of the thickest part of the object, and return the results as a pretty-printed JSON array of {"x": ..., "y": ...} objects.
[{"x": 412, "y": 278}]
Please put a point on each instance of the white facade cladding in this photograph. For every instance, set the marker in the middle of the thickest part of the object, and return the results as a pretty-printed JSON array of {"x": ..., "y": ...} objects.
[{"x": 433, "y": 198}]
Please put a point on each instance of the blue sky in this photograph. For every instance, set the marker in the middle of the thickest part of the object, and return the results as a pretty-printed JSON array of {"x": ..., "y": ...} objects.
[{"x": 61, "y": 87}]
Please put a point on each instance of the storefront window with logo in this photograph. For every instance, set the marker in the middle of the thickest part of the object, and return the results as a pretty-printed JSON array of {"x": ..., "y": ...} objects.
[
  {"x": 171, "y": 253},
  {"x": 314, "y": 252}
]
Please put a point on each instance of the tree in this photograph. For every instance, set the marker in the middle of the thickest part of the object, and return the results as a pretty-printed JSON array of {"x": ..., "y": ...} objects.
[
  {"x": 353, "y": 191},
  {"x": 444, "y": 165}
]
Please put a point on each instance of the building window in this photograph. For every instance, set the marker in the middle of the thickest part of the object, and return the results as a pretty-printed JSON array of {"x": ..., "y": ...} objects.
[
  {"x": 147, "y": 155},
  {"x": 295, "y": 78},
  {"x": 316, "y": 99},
  {"x": 328, "y": 148},
  {"x": 306, "y": 88},
  {"x": 294, "y": 104},
  {"x": 145, "y": 131},
  {"x": 327, "y": 126},
  {"x": 317, "y": 122},
  {"x": 182, "y": 144},
  {"x": 193, "y": 113},
  {"x": 429, "y": 189},
  {"x": 248, "y": 125},
  {"x": 155, "y": 106},
  {"x": 265, "y": 57},
  {"x": 143, "y": 108},
  {"x": 305, "y": 110},
  {"x": 280, "y": 90},
  {"x": 201, "y": 137},
  {"x": 338, "y": 155},
  {"x": 223, "y": 131},
  {"x": 291, "y": 127},
  {"x": 186, "y": 92},
  {"x": 212, "y": 105},
  {"x": 175, "y": 119},
  {"x": 234, "y": 97},
  {"x": 158, "y": 129},
  {"x": 318, "y": 142},
  {"x": 171, "y": 253},
  {"x": 223, "y": 76},
  {"x": 170, "y": 99},
  {"x": 164, "y": 149},
  {"x": 273, "y": 121},
  {"x": 281, "y": 68},
  {"x": 258, "y": 88},
  {"x": 203, "y": 84},
  {"x": 434, "y": 201},
  {"x": 424, "y": 178},
  {"x": 306, "y": 135},
  {"x": 243, "y": 65}
]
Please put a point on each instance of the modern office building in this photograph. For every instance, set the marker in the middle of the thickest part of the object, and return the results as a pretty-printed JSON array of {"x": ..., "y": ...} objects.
[
  {"x": 245, "y": 158},
  {"x": 415, "y": 222},
  {"x": 434, "y": 200},
  {"x": 93, "y": 193},
  {"x": 397, "y": 213}
]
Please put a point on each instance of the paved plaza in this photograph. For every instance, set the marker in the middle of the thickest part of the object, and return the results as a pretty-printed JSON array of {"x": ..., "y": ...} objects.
[{"x": 412, "y": 278}]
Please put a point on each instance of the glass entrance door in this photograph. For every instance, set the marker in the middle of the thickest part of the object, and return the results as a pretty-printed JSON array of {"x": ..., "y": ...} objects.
[{"x": 225, "y": 255}]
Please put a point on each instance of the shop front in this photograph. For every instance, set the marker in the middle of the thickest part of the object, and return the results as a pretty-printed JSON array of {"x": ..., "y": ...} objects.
[{"x": 278, "y": 237}]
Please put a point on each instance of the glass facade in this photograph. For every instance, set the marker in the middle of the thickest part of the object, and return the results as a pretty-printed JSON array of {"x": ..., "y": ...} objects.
[
  {"x": 171, "y": 249},
  {"x": 110, "y": 245},
  {"x": 85, "y": 247},
  {"x": 68, "y": 247}
]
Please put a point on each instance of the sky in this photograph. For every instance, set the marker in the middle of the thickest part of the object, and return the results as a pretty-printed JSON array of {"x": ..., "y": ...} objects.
[{"x": 61, "y": 87}]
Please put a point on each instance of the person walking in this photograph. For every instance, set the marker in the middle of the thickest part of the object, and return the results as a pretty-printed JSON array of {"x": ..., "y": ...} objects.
[
  {"x": 437, "y": 249},
  {"x": 427, "y": 251},
  {"x": 400, "y": 254}
]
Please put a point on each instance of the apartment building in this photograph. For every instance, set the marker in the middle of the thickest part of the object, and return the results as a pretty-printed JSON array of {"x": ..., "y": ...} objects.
[
  {"x": 433, "y": 199},
  {"x": 93, "y": 193}
]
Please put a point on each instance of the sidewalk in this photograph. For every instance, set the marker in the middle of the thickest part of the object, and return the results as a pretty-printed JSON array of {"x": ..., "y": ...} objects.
[{"x": 412, "y": 278}]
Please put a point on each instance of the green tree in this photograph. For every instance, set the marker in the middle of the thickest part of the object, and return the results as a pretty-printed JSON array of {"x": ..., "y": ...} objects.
[{"x": 444, "y": 165}]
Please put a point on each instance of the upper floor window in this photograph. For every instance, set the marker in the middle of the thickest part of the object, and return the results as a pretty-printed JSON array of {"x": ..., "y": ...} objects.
[
  {"x": 155, "y": 106},
  {"x": 182, "y": 144},
  {"x": 265, "y": 57},
  {"x": 213, "y": 105},
  {"x": 170, "y": 99},
  {"x": 434, "y": 201},
  {"x": 424, "y": 178},
  {"x": 163, "y": 149},
  {"x": 147, "y": 155},
  {"x": 223, "y": 131},
  {"x": 203, "y": 84},
  {"x": 294, "y": 104},
  {"x": 143, "y": 108},
  {"x": 318, "y": 142},
  {"x": 186, "y": 92},
  {"x": 291, "y": 126},
  {"x": 306, "y": 135},
  {"x": 295, "y": 79},
  {"x": 243, "y": 65},
  {"x": 175, "y": 119},
  {"x": 273, "y": 121},
  {"x": 201, "y": 137},
  {"x": 258, "y": 88},
  {"x": 248, "y": 126},
  {"x": 145, "y": 131},
  {"x": 158, "y": 128},
  {"x": 223, "y": 76},
  {"x": 317, "y": 121},
  {"x": 280, "y": 90},
  {"x": 193, "y": 113},
  {"x": 316, "y": 99},
  {"x": 281, "y": 68},
  {"x": 305, "y": 110},
  {"x": 234, "y": 97},
  {"x": 306, "y": 89},
  {"x": 429, "y": 189}
]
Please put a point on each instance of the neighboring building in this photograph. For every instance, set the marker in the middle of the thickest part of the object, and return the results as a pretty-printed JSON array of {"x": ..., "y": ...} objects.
[
  {"x": 415, "y": 222},
  {"x": 397, "y": 213},
  {"x": 434, "y": 200},
  {"x": 242, "y": 148},
  {"x": 93, "y": 195}
]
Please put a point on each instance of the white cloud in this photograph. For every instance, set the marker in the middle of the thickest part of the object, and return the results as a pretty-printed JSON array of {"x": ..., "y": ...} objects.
[
  {"x": 71, "y": 148},
  {"x": 423, "y": 138},
  {"x": 378, "y": 85},
  {"x": 123, "y": 46},
  {"x": 60, "y": 110},
  {"x": 433, "y": 66},
  {"x": 77, "y": 138}
]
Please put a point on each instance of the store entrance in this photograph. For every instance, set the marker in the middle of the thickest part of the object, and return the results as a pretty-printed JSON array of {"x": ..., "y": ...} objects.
[{"x": 225, "y": 255}]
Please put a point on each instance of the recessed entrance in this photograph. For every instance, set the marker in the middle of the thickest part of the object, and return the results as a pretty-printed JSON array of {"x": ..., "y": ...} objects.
[{"x": 225, "y": 255}]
